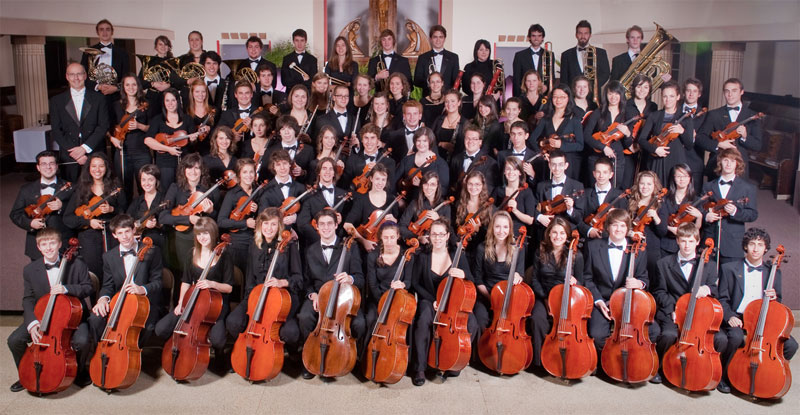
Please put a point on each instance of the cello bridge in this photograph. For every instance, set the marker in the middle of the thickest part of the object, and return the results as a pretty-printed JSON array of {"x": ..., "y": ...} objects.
[
  {"x": 182, "y": 333},
  {"x": 254, "y": 334},
  {"x": 438, "y": 323},
  {"x": 564, "y": 333}
]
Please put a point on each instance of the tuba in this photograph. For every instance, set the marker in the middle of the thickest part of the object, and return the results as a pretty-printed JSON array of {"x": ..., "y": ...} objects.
[
  {"x": 101, "y": 73},
  {"x": 590, "y": 71},
  {"x": 648, "y": 62}
]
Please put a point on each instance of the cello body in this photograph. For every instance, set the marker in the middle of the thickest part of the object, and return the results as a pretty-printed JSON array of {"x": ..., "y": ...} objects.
[
  {"x": 187, "y": 352},
  {"x": 505, "y": 345},
  {"x": 386, "y": 357},
  {"x": 330, "y": 350},
  {"x": 451, "y": 346},
  {"x": 628, "y": 355},
  {"x": 695, "y": 350},
  {"x": 579, "y": 356}
]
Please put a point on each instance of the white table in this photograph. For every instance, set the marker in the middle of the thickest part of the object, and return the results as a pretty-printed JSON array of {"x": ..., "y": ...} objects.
[{"x": 28, "y": 142}]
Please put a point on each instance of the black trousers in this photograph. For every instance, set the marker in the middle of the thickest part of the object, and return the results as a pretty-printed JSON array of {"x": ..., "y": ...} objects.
[
  {"x": 307, "y": 319},
  {"x": 217, "y": 336},
  {"x": 423, "y": 331},
  {"x": 134, "y": 160},
  {"x": 97, "y": 325},
  {"x": 538, "y": 327},
  {"x": 670, "y": 333},
  {"x": 600, "y": 329},
  {"x": 91, "y": 249},
  {"x": 81, "y": 342},
  {"x": 289, "y": 333}
]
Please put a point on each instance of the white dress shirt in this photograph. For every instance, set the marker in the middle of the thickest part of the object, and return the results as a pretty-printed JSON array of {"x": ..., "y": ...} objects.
[
  {"x": 752, "y": 287},
  {"x": 615, "y": 259}
]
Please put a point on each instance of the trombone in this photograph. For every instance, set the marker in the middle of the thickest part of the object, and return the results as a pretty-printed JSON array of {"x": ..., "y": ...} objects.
[
  {"x": 590, "y": 71},
  {"x": 546, "y": 64}
]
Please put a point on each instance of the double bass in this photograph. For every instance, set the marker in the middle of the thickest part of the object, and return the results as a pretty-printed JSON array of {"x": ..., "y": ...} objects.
[
  {"x": 187, "y": 352},
  {"x": 258, "y": 352},
  {"x": 628, "y": 355},
  {"x": 505, "y": 345},
  {"x": 759, "y": 368},
  {"x": 330, "y": 350},
  {"x": 451, "y": 344},
  {"x": 194, "y": 206},
  {"x": 117, "y": 360},
  {"x": 50, "y": 365},
  {"x": 568, "y": 352},
  {"x": 386, "y": 356},
  {"x": 692, "y": 363}
]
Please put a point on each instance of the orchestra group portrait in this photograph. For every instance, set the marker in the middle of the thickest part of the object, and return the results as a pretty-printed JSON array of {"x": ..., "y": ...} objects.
[{"x": 342, "y": 226}]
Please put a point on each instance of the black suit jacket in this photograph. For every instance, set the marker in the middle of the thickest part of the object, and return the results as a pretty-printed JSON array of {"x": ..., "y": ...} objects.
[
  {"x": 313, "y": 204},
  {"x": 399, "y": 64},
  {"x": 147, "y": 274},
  {"x": 731, "y": 286},
  {"x": 597, "y": 275},
  {"x": 28, "y": 195},
  {"x": 36, "y": 285},
  {"x": 449, "y": 70},
  {"x": 733, "y": 226},
  {"x": 590, "y": 203},
  {"x": 272, "y": 196},
  {"x": 278, "y": 97},
  {"x": 695, "y": 157},
  {"x": 620, "y": 64},
  {"x": 669, "y": 284},
  {"x": 717, "y": 120},
  {"x": 543, "y": 193},
  {"x": 302, "y": 157},
  {"x": 317, "y": 271},
  {"x": 354, "y": 166},
  {"x": 570, "y": 68},
  {"x": 523, "y": 62},
  {"x": 120, "y": 61},
  {"x": 483, "y": 163},
  {"x": 290, "y": 77},
  {"x": 70, "y": 130},
  {"x": 330, "y": 118}
]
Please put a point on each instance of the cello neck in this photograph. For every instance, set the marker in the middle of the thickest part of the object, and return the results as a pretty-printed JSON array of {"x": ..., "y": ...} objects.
[
  {"x": 567, "y": 286},
  {"x": 762, "y": 315},
  {"x": 387, "y": 305},
  {"x": 626, "y": 309},
  {"x": 510, "y": 282},
  {"x": 196, "y": 291},
  {"x": 449, "y": 284},
  {"x": 48, "y": 313},
  {"x": 330, "y": 308},
  {"x": 262, "y": 299}
]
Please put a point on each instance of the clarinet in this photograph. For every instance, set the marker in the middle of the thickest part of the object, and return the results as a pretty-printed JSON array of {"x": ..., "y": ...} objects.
[{"x": 225, "y": 94}]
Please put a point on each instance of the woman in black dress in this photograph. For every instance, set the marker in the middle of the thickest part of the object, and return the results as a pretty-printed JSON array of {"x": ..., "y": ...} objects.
[
  {"x": 532, "y": 99},
  {"x": 297, "y": 105},
  {"x": 449, "y": 127},
  {"x": 480, "y": 64},
  {"x": 512, "y": 109},
  {"x": 204, "y": 115},
  {"x": 380, "y": 115},
  {"x": 361, "y": 104},
  {"x": 582, "y": 89},
  {"x": 424, "y": 143},
  {"x": 433, "y": 104},
  {"x": 255, "y": 147},
  {"x": 469, "y": 104},
  {"x": 645, "y": 188},
  {"x": 474, "y": 199},
  {"x": 661, "y": 159},
  {"x": 150, "y": 196},
  {"x": 429, "y": 198},
  {"x": 399, "y": 90},
  {"x": 681, "y": 190},
  {"x": 612, "y": 111},
  {"x": 327, "y": 147},
  {"x": 522, "y": 207},
  {"x": 640, "y": 104},
  {"x": 241, "y": 231},
  {"x": 221, "y": 157},
  {"x": 171, "y": 119},
  {"x": 560, "y": 119},
  {"x": 487, "y": 120},
  {"x": 377, "y": 198},
  {"x": 135, "y": 153},
  {"x": 341, "y": 65}
]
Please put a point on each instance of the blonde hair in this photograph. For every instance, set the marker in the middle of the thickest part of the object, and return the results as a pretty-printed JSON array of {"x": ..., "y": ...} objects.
[
  {"x": 266, "y": 215},
  {"x": 489, "y": 252}
]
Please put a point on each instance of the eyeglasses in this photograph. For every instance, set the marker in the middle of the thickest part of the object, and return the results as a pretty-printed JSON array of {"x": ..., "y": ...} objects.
[
  {"x": 341, "y": 96},
  {"x": 438, "y": 235}
]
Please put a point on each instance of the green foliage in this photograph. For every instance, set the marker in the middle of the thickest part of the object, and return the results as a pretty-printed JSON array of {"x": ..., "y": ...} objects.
[{"x": 279, "y": 50}]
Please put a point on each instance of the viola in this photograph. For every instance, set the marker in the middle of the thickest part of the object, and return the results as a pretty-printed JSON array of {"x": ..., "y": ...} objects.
[
  {"x": 194, "y": 206},
  {"x": 187, "y": 352},
  {"x": 423, "y": 223},
  {"x": 692, "y": 363},
  {"x": 642, "y": 219},
  {"x": 139, "y": 225},
  {"x": 39, "y": 209},
  {"x": 361, "y": 182},
  {"x": 505, "y": 345},
  {"x": 245, "y": 205},
  {"x": 291, "y": 205},
  {"x": 451, "y": 344},
  {"x": 369, "y": 230},
  {"x": 386, "y": 357},
  {"x": 568, "y": 352},
  {"x": 122, "y": 129},
  {"x": 682, "y": 215},
  {"x": 729, "y": 132},
  {"x": 628, "y": 355},
  {"x": 179, "y": 138},
  {"x": 91, "y": 210},
  {"x": 612, "y": 133},
  {"x": 239, "y": 127},
  {"x": 759, "y": 368},
  {"x": 258, "y": 352},
  {"x": 50, "y": 365},
  {"x": 471, "y": 225},
  {"x": 512, "y": 196},
  {"x": 406, "y": 183},
  {"x": 665, "y": 137},
  {"x": 718, "y": 206},
  {"x": 330, "y": 349},
  {"x": 597, "y": 219},
  {"x": 546, "y": 144},
  {"x": 558, "y": 204},
  {"x": 117, "y": 360},
  {"x": 207, "y": 120}
]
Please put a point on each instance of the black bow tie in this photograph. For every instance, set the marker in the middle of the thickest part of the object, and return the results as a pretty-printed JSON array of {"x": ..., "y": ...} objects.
[
  {"x": 209, "y": 83},
  {"x": 410, "y": 132},
  {"x": 469, "y": 157},
  {"x": 324, "y": 247},
  {"x": 536, "y": 52},
  {"x": 369, "y": 159},
  {"x": 750, "y": 268},
  {"x": 341, "y": 114},
  {"x": 267, "y": 92},
  {"x": 732, "y": 108},
  {"x": 327, "y": 189},
  {"x": 291, "y": 148},
  {"x": 110, "y": 46},
  {"x": 287, "y": 184},
  {"x": 581, "y": 49},
  {"x": 599, "y": 192},
  {"x": 300, "y": 54},
  {"x": 687, "y": 261},
  {"x": 387, "y": 55},
  {"x": 522, "y": 154},
  {"x": 128, "y": 252},
  {"x": 611, "y": 245},
  {"x": 45, "y": 186},
  {"x": 554, "y": 185},
  {"x": 687, "y": 108},
  {"x": 242, "y": 111},
  {"x": 48, "y": 267},
  {"x": 436, "y": 53},
  {"x": 255, "y": 60},
  {"x": 723, "y": 182}
]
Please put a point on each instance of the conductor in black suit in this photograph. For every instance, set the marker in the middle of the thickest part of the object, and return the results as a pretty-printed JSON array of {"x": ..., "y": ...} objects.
[
  {"x": 392, "y": 61},
  {"x": 531, "y": 58},
  {"x": 621, "y": 62},
  {"x": 444, "y": 62},
  {"x": 300, "y": 57},
  {"x": 114, "y": 56},
  {"x": 79, "y": 119},
  {"x": 572, "y": 59}
]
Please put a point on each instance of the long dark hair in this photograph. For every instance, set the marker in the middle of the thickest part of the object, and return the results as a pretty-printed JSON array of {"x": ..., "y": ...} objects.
[
  {"x": 569, "y": 110},
  {"x": 178, "y": 109},
  {"x": 333, "y": 61},
  {"x": 478, "y": 44},
  {"x": 616, "y": 87},
  {"x": 428, "y": 176},
  {"x": 546, "y": 254},
  {"x": 123, "y": 98},
  {"x": 85, "y": 181},
  {"x": 194, "y": 159},
  {"x": 690, "y": 192}
]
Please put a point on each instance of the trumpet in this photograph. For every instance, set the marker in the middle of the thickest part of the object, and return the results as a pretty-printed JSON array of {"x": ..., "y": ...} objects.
[
  {"x": 648, "y": 62},
  {"x": 431, "y": 67},
  {"x": 102, "y": 73},
  {"x": 546, "y": 64},
  {"x": 383, "y": 83},
  {"x": 590, "y": 71},
  {"x": 297, "y": 69}
]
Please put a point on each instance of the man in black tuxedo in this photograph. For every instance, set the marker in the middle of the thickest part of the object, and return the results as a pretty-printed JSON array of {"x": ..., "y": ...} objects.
[
  {"x": 214, "y": 81},
  {"x": 79, "y": 119},
  {"x": 368, "y": 152},
  {"x": 322, "y": 260},
  {"x": 572, "y": 59},
  {"x": 532, "y": 58},
  {"x": 302, "y": 59},
  {"x": 392, "y": 61},
  {"x": 473, "y": 158},
  {"x": 339, "y": 118},
  {"x": 265, "y": 94},
  {"x": 518, "y": 136},
  {"x": 282, "y": 186},
  {"x": 48, "y": 184},
  {"x": 327, "y": 196},
  {"x": 621, "y": 62},
  {"x": 733, "y": 187},
  {"x": 444, "y": 62},
  {"x": 240, "y": 108},
  {"x": 300, "y": 155},
  {"x": 741, "y": 282},
  {"x": 695, "y": 158},
  {"x": 718, "y": 119},
  {"x": 601, "y": 192},
  {"x": 120, "y": 262},
  {"x": 40, "y": 277},
  {"x": 401, "y": 140},
  {"x": 559, "y": 184},
  {"x": 255, "y": 48},
  {"x": 114, "y": 56}
]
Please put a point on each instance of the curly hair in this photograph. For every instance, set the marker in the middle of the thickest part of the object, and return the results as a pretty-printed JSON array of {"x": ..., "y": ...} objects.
[
  {"x": 753, "y": 234},
  {"x": 192, "y": 160},
  {"x": 636, "y": 196},
  {"x": 463, "y": 199},
  {"x": 85, "y": 181}
]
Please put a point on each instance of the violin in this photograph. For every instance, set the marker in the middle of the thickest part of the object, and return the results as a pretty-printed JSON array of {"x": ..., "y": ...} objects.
[
  {"x": 291, "y": 205},
  {"x": 505, "y": 345},
  {"x": 139, "y": 225},
  {"x": 406, "y": 183},
  {"x": 729, "y": 132},
  {"x": 628, "y": 355},
  {"x": 470, "y": 225},
  {"x": 39, "y": 209},
  {"x": 245, "y": 205},
  {"x": 330, "y": 349},
  {"x": 546, "y": 144},
  {"x": 558, "y": 204},
  {"x": 597, "y": 219},
  {"x": 194, "y": 206},
  {"x": 187, "y": 352},
  {"x": 682, "y": 215},
  {"x": 718, "y": 206},
  {"x": 642, "y": 219},
  {"x": 91, "y": 210},
  {"x": 209, "y": 117},
  {"x": 369, "y": 230},
  {"x": 258, "y": 352},
  {"x": 451, "y": 344},
  {"x": 386, "y": 357},
  {"x": 504, "y": 203},
  {"x": 361, "y": 182},
  {"x": 568, "y": 352},
  {"x": 758, "y": 368},
  {"x": 179, "y": 138},
  {"x": 423, "y": 223},
  {"x": 665, "y": 137},
  {"x": 612, "y": 133},
  {"x": 122, "y": 129},
  {"x": 692, "y": 363},
  {"x": 51, "y": 365},
  {"x": 117, "y": 360},
  {"x": 239, "y": 127}
]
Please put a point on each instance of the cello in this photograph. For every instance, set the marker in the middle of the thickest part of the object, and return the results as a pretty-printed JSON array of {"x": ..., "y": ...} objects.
[
  {"x": 682, "y": 215},
  {"x": 597, "y": 220},
  {"x": 50, "y": 365},
  {"x": 330, "y": 350},
  {"x": 568, "y": 352},
  {"x": 692, "y": 363},
  {"x": 423, "y": 223},
  {"x": 759, "y": 368},
  {"x": 386, "y": 357},
  {"x": 369, "y": 230},
  {"x": 505, "y": 345},
  {"x": 117, "y": 360},
  {"x": 258, "y": 352},
  {"x": 194, "y": 206},
  {"x": 39, "y": 209},
  {"x": 361, "y": 182},
  {"x": 628, "y": 355},
  {"x": 451, "y": 344},
  {"x": 187, "y": 352}
]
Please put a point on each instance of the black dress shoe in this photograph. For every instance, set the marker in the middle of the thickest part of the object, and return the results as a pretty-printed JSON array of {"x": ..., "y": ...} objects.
[
  {"x": 83, "y": 380},
  {"x": 723, "y": 387},
  {"x": 419, "y": 379},
  {"x": 452, "y": 373},
  {"x": 656, "y": 379},
  {"x": 306, "y": 374},
  {"x": 17, "y": 387}
]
